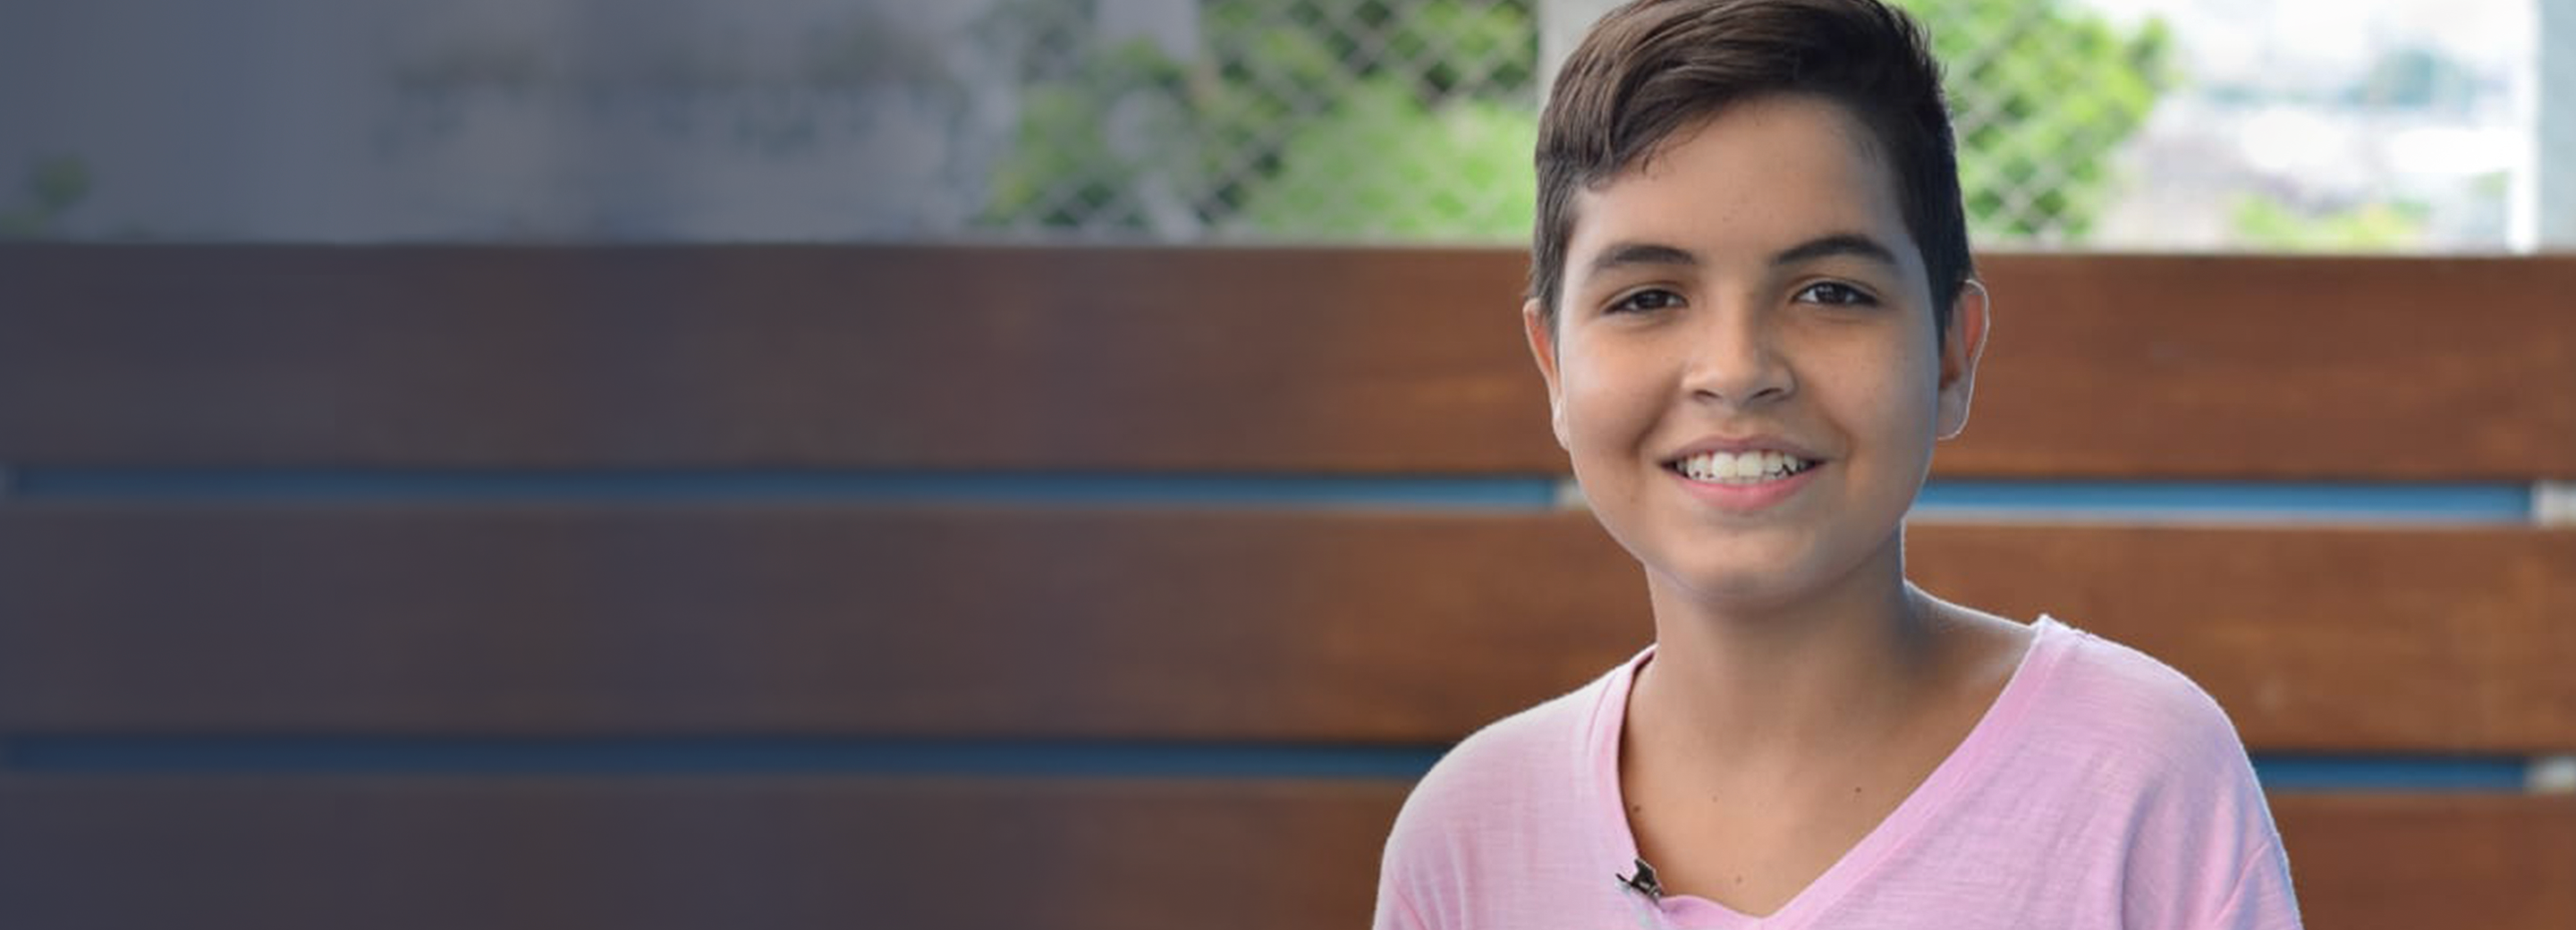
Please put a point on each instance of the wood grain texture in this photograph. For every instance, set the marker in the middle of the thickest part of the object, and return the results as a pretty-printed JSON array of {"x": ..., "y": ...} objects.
[
  {"x": 858, "y": 357},
  {"x": 2276, "y": 367},
  {"x": 2406, "y": 861},
  {"x": 393, "y": 854},
  {"x": 669, "y": 854},
  {"x": 2442, "y": 639},
  {"x": 1270, "y": 360},
  {"x": 993, "y": 623},
  {"x": 1288, "y": 626}
]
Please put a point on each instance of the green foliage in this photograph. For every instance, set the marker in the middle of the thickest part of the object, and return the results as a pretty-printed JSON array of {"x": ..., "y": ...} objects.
[
  {"x": 2268, "y": 225},
  {"x": 52, "y": 186},
  {"x": 1092, "y": 137},
  {"x": 1383, "y": 164},
  {"x": 1463, "y": 48},
  {"x": 1304, "y": 119},
  {"x": 1367, "y": 118},
  {"x": 2044, "y": 94}
]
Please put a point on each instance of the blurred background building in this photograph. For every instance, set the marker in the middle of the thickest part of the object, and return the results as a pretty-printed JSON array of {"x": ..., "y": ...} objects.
[{"x": 2297, "y": 125}]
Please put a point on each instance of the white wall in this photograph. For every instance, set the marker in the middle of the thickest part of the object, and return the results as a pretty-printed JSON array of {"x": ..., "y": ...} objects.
[
  {"x": 2544, "y": 199},
  {"x": 371, "y": 120},
  {"x": 1561, "y": 24}
]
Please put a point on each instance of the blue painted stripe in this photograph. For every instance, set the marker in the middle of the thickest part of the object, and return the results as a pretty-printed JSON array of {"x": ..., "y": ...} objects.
[
  {"x": 720, "y": 487},
  {"x": 2391, "y": 773},
  {"x": 2441, "y": 502},
  {"x": 394, "y": 755},
  {"x": 2251, "y": 500}
]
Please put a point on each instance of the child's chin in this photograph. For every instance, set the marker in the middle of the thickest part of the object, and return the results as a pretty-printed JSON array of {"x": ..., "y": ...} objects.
[{"x": 1746, "y": 586}]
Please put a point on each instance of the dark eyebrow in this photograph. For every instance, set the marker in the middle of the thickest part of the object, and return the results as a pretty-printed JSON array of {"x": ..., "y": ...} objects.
[
  {"x": 1642, "y": 253},
  {"x": 1852, "y": 244}
]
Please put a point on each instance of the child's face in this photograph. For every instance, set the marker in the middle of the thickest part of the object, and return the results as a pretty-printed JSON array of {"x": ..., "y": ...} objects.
[{"x": 1752, "y": 288}]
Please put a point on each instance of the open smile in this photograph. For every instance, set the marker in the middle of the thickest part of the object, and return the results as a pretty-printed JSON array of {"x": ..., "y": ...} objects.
[
  {"x": 1744, "y": 481},
  {"x": 1740, "y": 468}
]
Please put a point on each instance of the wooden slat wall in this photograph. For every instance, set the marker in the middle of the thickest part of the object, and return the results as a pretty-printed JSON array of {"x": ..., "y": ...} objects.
[
  {"x": 1298, "y": 360},
  {"x": 2431, "y": 861},
  {"x": 1317, "y": 627},
  {"x": 432, "y": 854},
  {"x": 149, "y": 619}
]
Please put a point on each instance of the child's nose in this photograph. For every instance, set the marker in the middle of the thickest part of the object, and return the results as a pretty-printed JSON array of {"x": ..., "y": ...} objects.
[{"x": 1733, "y": 360}]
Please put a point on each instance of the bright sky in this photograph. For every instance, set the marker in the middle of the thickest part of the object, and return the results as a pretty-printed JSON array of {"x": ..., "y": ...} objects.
[{"x": 2232, "y": 39}]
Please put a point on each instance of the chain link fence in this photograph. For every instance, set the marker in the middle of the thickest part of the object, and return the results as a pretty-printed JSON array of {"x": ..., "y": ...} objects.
[
  {"x": 2385, "y": 125},
  {"x": 1414, "y": 119},
  {"x": 1336, "y": 119}
]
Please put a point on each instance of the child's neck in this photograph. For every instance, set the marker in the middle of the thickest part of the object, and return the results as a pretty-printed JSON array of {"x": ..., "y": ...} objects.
[{"x": 1780, "y": 684}]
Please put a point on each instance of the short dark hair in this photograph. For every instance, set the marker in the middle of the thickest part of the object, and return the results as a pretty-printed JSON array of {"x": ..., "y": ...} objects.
[{"x": 1651, "y": 68}]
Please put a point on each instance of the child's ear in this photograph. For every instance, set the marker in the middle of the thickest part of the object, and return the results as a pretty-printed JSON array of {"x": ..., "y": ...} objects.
[
  {"x": 1961, "y": 346},
  {"x": 1542, "y": 343}
]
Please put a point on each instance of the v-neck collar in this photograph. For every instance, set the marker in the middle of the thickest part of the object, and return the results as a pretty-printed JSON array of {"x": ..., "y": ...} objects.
[{"x": 1964, "y": 763}]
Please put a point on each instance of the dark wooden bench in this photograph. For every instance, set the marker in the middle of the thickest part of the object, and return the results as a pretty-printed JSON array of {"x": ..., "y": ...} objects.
[{"x": 703, "y": 586}]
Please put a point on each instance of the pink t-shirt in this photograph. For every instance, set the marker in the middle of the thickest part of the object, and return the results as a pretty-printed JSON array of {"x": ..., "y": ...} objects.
[{"x": 2102, "y": 789}]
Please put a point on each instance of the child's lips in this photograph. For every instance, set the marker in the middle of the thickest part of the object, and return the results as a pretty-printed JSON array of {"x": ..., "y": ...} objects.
[{"x": 1753, "y": 496}]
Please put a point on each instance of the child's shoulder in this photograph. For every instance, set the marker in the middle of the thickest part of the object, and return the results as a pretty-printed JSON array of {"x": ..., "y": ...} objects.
[
  {"x": 2102, "y": 692},
  {"x": 2123, "y": 745},
  {"x": 1500, "y": 825},
  {"x": 1550, "y": 732},
  {"x": 1535, "y": 752}
]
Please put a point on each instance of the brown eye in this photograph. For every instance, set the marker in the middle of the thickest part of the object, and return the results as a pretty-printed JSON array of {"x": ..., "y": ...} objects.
[
  {"x": 1835, "y": 293},
  {"x": 1646, "y": 300}
]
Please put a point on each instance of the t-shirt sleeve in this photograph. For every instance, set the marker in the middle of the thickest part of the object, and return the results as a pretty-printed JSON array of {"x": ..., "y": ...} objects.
[
  {"x": 1406, "y": 846},
  {"x": 1393, "y": 911},
  {"x": 1418, "y": 849},
  {"x": 2206, "y": 855},
  {"x": 1487, "y": 837},
  {"x": 2219, "y": 850},
  {"x": 2200, "y": 849},
  {"x": 2263, "y": 898}
]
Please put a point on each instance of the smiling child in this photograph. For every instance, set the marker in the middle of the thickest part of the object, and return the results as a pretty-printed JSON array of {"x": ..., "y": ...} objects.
[{"x": 1753, "y": 304}]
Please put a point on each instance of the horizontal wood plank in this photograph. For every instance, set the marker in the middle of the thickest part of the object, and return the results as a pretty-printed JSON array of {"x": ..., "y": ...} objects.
[
  {"x": 704, "y": 619},
  {"x": 2213, "y": 367},
  {"x": 1240, "y": 625},
  {"x": 2409, "y": 861},
  {"x": 2453, "y": 640},
  {"x": 854, "y": 357},
  {"x": 1272, "y": 360},
  {"x": 661, "y": 854},
  {"x": 789, "y": 853}
]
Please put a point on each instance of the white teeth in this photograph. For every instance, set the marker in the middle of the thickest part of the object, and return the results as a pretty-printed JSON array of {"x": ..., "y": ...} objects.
[{"x": 1742, "y": 467}]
